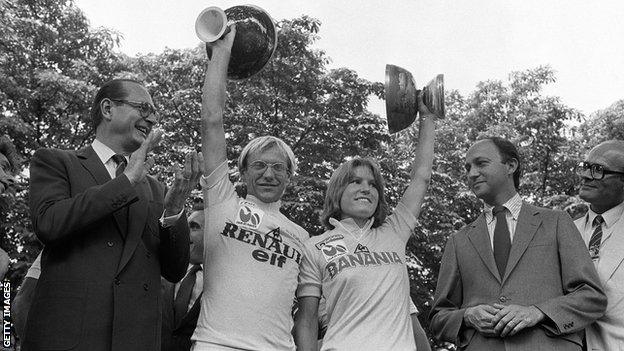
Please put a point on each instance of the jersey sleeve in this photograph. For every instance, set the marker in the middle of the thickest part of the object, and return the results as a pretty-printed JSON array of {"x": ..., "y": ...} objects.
[
  {"x": 310, "y": 273},
  {"x": 401, "y": 222},
  {"x": 217, "y": 186}
]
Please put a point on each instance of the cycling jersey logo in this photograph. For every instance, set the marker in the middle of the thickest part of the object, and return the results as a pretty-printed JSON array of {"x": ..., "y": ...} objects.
[
  {"x": 361, "y": 248},
  {"x": 249, "y": 215},
  {"x": 333, "y": 249}
]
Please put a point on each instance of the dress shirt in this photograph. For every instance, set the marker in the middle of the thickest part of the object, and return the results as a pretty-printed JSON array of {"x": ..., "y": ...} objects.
[{"x": 610, "y": 217}]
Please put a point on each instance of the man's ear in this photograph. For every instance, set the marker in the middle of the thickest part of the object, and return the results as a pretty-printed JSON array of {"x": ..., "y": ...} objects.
[
  {"x": 106, "y": 106},
  {"x": 512, "y": 165}
]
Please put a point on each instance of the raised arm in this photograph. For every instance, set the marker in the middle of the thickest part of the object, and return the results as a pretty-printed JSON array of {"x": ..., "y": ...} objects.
[
  {"x": 213, "y": 103},
  {"x": 421, "y": 167}
]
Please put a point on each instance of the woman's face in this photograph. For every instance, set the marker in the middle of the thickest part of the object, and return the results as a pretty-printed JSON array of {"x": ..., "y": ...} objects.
[{"x": 360, "y": 198}]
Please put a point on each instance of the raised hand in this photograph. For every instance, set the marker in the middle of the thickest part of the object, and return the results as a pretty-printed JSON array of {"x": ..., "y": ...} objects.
[
  {"x": 185, "y": 180},
  {"x": 139, "y": 164}
]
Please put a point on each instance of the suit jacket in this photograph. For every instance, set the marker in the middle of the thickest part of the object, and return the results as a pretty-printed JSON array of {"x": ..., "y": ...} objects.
[
  {"x": 99, "y": 287},
  {"x": 607, "y": 333},
  {"x": 548, "y": 267},
  {"x": 177, "y": 337}
]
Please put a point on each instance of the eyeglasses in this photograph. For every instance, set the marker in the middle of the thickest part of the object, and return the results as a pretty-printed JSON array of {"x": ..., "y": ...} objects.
[
  {"x": 261, "y": 166},
  {"x": 593, "y": 170},
  {"x": 144, "y": 108}
]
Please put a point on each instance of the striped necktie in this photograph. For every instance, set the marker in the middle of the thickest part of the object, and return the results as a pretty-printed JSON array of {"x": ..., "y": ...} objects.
[{"x": 596, "y": 238}]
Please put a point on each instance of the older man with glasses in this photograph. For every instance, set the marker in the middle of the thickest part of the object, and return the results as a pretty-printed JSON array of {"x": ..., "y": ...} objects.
[
  {"x": 109, "y": 230},
  {"x": 602, "y": 228}
]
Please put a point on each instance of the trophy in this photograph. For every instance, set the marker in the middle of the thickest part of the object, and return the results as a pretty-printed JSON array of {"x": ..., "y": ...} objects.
[
  {"x": 255, "y": 41},
  {"x": 402, "y": 97}
]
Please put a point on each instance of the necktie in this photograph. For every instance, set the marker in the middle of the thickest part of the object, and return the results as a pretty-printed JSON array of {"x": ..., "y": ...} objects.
[
  {"x": 596, "y": 238},
  {"x": 121, "y": 162},
  {"x": 502, "y": 240},
  {"x": 183, "y": 297}
]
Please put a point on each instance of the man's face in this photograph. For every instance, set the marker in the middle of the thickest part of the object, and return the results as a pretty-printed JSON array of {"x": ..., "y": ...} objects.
[
  {"x": 127, "y": 127},
  {"x": 6, "y": 177},
  {"x": 607, "y": 192},
  {"x": 267, "y": 185},
  {"x": 487, "y": 175},
  {"x": 196, "y": 226}
]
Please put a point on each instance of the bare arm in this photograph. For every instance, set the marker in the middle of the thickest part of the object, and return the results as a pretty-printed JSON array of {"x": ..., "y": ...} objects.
[
  {"x": 306, "y": 324},
  {"x": 213, "y": 103},
  {"x": 423, "y": 161}
]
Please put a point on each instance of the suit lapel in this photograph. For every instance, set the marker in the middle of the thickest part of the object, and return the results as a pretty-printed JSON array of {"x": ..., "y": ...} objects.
[
  {"x": 192, "y": 314},
  {"x": 137, "y": 217},
  {"x": 480, "y": 239},
  {"x": 612, "y": 251},
  {"x": 528, "y": 222},
  {"x": 92, "y": 163}
]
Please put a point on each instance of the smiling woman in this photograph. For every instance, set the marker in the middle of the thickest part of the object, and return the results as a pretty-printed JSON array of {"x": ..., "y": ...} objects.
[{"x": 357, "y": 265}]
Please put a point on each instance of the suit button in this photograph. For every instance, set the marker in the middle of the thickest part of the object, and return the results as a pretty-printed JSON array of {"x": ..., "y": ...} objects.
[
  {"x": 117, "y": 281},
  {"x": 502, "y": 299},
  {"x": 145, "y": 287},
  {"x": 110, "y": 244}
]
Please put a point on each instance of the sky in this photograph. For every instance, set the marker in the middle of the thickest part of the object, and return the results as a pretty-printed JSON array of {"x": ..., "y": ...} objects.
[{"x": 467, "y": 41}]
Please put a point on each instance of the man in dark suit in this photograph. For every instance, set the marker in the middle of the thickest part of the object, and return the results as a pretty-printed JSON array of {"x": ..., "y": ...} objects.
[
  {"x": 519, "y": 277},
  {"x": 181, "y": 301},
  {"x": 109, "y": 231}
]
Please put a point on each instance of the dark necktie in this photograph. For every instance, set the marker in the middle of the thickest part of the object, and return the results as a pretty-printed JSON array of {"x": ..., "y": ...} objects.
[
  {"x": 502, "y": 239},
  {"x": 121, "y": 162},
  {"x": 596, "y": 238},
  {"x": 182, "y": 299}
]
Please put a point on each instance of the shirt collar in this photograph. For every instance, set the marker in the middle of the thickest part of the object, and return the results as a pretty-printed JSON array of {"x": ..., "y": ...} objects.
[
  {"x": 513, "y": 205},
  {"x": 265, "y": 206},
  {"x": 104, "y": 152},
  {"x": 610, "y": 216},
  {"x": 349, "y": 225}
]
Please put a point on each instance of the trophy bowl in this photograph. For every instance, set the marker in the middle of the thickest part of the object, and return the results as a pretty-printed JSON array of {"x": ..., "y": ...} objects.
[
  {"x": 402, "y": 97},
  {"x": 255, "y": 41}
]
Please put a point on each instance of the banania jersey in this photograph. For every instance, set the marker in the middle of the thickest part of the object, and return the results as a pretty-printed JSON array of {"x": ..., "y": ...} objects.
[
  {"x": 252, "y": 254},
  {"x": 361, "y": 273}
]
